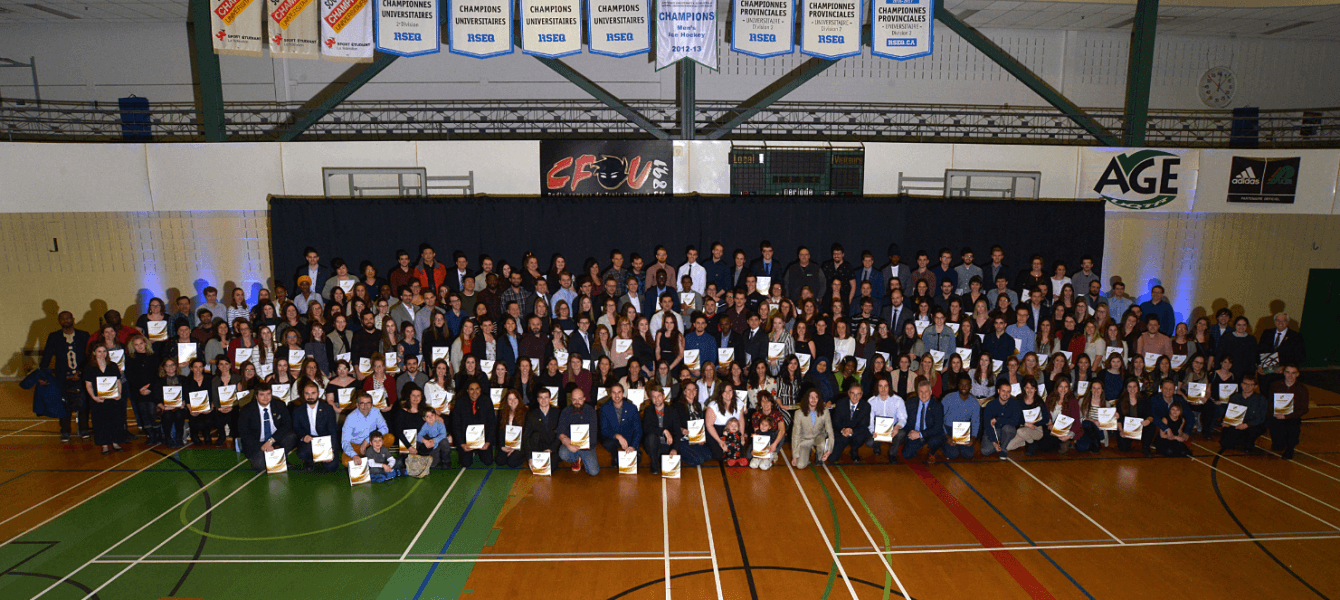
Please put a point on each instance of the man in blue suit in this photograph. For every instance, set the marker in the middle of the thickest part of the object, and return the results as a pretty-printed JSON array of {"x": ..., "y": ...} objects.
[
  {"x": 315, "y": 418},
  {"x": 925, "y": 424},
  {"x": 851, "y": 424}
]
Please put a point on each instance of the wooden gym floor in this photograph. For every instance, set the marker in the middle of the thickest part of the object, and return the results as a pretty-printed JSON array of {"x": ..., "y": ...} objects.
[{"x": 157, "y": 523}]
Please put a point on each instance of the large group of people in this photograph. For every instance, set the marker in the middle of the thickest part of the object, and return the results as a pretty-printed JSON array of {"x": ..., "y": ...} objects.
[{"x": 721, "y": 358}]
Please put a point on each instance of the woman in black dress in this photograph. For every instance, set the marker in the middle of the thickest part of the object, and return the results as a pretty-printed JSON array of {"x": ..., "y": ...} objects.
[{"x": 109, "y": 407}]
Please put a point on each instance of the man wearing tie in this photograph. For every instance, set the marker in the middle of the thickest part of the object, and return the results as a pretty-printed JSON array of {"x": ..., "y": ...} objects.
[
  {"x": 764, "y": 266},
  {"x": 926, "y": 418},
  {"x": 896, "y": 270},
  {"x": 1286, "y": 343},
  {"x": 579, "y": 342},
  {"x": 868, "y": 272},
  {"x": 264, "y": 426},
  {"x": 755, "y": 340},
  {"x": 851, "y": 424},
  {"x": 314, "y": 418},
  {"x": 895, "y": 314}
]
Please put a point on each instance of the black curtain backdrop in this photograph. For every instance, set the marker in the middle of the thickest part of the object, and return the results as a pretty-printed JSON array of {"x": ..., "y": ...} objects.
[{"x": 506, "y": 228}]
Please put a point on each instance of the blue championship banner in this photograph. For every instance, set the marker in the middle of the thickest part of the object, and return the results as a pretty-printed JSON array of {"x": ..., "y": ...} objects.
[
  {"x": 551, "y": 28},
  {"x": 619, "y": 28},
  {"x": 902, "y": 29},
  {"x": 479, "y": 28},
  {"x": 763, "y": 28},
  {"x": 407, "y": 27}
]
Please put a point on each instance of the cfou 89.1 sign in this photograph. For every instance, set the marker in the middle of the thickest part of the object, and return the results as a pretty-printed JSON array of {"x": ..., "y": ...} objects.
[{"x": 605, "y": 168}]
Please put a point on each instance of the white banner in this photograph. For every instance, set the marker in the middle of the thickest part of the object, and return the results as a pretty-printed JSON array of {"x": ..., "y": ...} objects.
[
  {"x": 346, "y": 30},
  {"x": 480, "y": 28},
  {"x": 830, "y": 29},
  {"x": 551, "y": 28},
  {"x": 408, "y": 27},
  {"x": 619, "y": 28},
  {"x": 763, "y": 28},
  {"x": 295, "y": 29},
  {"x": 1162, "y": 180},
  {"x": 237, "y": 26},
  {"x": 686, "y": 29},
  {"x": 902, "y": 29}
]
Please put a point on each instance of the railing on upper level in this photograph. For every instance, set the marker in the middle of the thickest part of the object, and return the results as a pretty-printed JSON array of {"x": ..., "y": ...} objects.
[{"x": 542, "y": 119}]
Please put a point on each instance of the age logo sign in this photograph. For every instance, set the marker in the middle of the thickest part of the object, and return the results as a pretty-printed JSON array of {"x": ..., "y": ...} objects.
[{"x": 1140, "y": 179}]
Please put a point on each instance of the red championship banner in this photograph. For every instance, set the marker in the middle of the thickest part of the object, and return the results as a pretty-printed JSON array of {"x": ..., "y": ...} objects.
[
  {"x": 237, "y": 26},
  {"x": 346, "y": 30},
  {"x": 294, "y": 29}
]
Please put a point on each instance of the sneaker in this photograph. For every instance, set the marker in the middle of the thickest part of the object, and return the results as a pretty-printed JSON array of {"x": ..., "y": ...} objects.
[
  {"x": 84, "y": 434},
  {"x": 1003, "y": 455},
  {"x": 64, "y": 437},
  {"x": 577, "y": 465},
  {"x": 765, "y": 464}
]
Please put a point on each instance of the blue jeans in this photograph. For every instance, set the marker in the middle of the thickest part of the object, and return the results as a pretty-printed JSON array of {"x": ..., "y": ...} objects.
[
  {"x": 932, "y": 445},
  {"x": 954, "y": 451},
  {"x": 588, "y": 458}
]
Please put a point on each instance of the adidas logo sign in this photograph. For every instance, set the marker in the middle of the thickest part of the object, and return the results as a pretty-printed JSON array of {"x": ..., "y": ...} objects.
[{"x": 1246, "y": 177}]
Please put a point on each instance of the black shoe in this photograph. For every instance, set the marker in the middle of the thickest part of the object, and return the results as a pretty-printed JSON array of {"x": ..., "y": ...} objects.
[
  {"x": 130, "y": 437},
  {"x": 1288, "y": 454},
  {"x": 64, "y": 437},
  {"x": 83, "y": 434},
  {"x": 856, "y": 460},
  {"x": 308, "y": 467}
]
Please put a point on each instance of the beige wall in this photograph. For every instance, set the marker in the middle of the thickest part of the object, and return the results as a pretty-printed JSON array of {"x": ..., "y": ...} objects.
[
  {"x": 1255, "y": 264},
  {"x": 117, "y": 261}
]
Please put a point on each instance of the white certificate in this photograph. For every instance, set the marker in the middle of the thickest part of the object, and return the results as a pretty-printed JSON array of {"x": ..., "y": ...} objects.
[
  {"x": 637, "y": 396},
  {"x": 965, "y": 355},
  {"x": 1061, "y": 425},
  {"x": 485, "y": 365},
  {"x": 601, "y": 394},
  {"x": 322, "y": 449},
  {"x": 496, "y": 396},
  {"x": 691, "y": 359},
  {"x": 686, "y": 298},
  {"x": 512, "y": 437},
  {"x": 1081, "y": 388},
  {"x": 921, "y": 325},
  {"x": 157, "y": 330},
  {"x": 378, "y": 398},
  {"x": 199, "y": 402},
  {"x": 761, "y": 443},
  {"x": 953, "y": 326},
  {"x": 227, "y": 395},
  {"x": 1226, "y": 390},
  {"x": 359, "y": 473},
  {"x": 996, "y": 366},
  {"x": 1234, "y": 414},
  {"x": 345, "y": 397},
  {"x": 347, "y": 285},
  {"x": 562, "y": 358},
  {"x": 725, "y": 356},
  {"x": 775, "y": 350},
  {"x": 280, "y": 391},
  {"x": 1132, "y": 427},
  {"x": 761, "y": 285},
  {"x": 172, "y": 396},
  {"x": 1283, "y": 404},
  {"x": 1151, "y": 360},
  {"x": 266, "y": 369},
  {"x": 474, "y": 437},
  {"x": 243, "y": 355},
  {"x": 276, "y": 461},
  {"x": 344, "y": 356},
  {"x": 741, "y": 396},
  {"x": 440, "y": 353},
  {"x": 295, "y": 357},
  {"x": 1016, "y": 389},
  {"x": 1178, "y": 360},
  {"x": 939, "y": 358},
  {"x": 364, "y": 367},
  {"x": 962, "y": 433},
  {"x": 697, "y": 432},
  {"x": 185, "y": 354},
  {"x": 539, "y": 463},
  {"x": 628, "y": 462},
  {"x": 411, "y": 437},
  {"x": 553, "y": 394},
  {"x": 118, "y": 357},
  {"x": 622, "y": 345},
  {"x": 1195, "y": 393},
  {"x": 804, "y": 362},
  {"x": 1117, "y": 350},
  {"x": 106, "y": 387},
  {"x": 670, "y": 466},
  {"x": 884, "y": 428},
  {"x": 581, "y": 436},
  {"x": 1107, "y": 419},
  {"x": 1033, "y": 415}
]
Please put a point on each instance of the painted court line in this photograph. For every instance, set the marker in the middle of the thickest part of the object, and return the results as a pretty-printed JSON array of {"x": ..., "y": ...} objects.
[
  {"x": 141, "y": 559},
  {"x": 1278, "y": 482},
  {"x": 1277, "y": 498},
  {"x": 431, "y": 515},
  {"x": 22, "y": 430},
  {"x": 1259, "y": 538},
  {"x": 820, "y": 527},
  {"x": 882, "y": 559},
  {"x": 711, "y": 542},
  {"x": 537, "y": 559},
  {"x": 1307, "y": 454},
  {"x": 81, "y": 502},
  {"x": 137, "y": 531},
  {"x": 1068, "y": 503},
  {"x": 665, "y": 536}
]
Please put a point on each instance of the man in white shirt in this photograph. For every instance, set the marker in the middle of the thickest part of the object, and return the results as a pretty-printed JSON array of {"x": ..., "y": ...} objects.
[
  {"x": 692, "y": 269},
  {"x": 264, "y": 426},
  {"x": 667, "y": 308},
  {"x": 888, "y": 405},
  {"x": 423, "y": 319}
]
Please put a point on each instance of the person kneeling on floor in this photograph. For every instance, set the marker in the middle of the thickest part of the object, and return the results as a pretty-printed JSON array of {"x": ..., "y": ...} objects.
[{"x": 381, "y": 464}]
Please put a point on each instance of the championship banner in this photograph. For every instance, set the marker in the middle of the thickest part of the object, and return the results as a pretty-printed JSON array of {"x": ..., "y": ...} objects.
[
  {"x": 605, "y": 167},
  {"x": 237, "y": 26},
  {"x": 763, "y": 28},
  {"x": 551, "y": 28},
  {"x": 619, "y": 28},
  {"x": 480, "y": 28},
  {"x": 831, "y": 29},
  {"x": 346, "y": 30},
  {"x": 295, "y": 29},
  {"x": 686, "y": 29},
  {"x": 902, "y": 29},
  {"x": 407, "y": 27}
]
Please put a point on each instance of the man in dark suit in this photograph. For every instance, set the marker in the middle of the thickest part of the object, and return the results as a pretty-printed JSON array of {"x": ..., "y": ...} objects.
[
  {"x": 925, "y": 424},
  {"x": 896, "y": 313},
  {"x": 851, "y": 424},
  {"x": 312, "y": 268},
  {"x": 729, "y": 339},
  {"x": 264, "y": 426},
  {"x": 456, "y": 278},
  {"x": 65, "y": 353},
  {"x": 579, "y": 342},
  {"x": 755, "y": 340},
  {"x": 896, "y": 270},
  {"x": 1286, "y": 344},
  {"x": 314, "y": 418},
  {"x": 766, "y": 265},
  {"x": 651, "y": 298}
]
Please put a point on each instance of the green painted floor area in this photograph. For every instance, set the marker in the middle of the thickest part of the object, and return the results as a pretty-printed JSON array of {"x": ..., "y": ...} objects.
[{"x": 309, "y": 535}]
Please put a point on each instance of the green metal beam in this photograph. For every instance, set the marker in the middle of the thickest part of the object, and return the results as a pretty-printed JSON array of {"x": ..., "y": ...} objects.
[
  {"x": 604, "y": 96},
  {"x": 768, "y": 95},
  {"x": 1139, "y": 72},
  {"x": 359, "y": 75},
  {"x": 208, "y": 80},
  {"x": 687, "y": 71},
  {"x": 1025, "y": 75}
]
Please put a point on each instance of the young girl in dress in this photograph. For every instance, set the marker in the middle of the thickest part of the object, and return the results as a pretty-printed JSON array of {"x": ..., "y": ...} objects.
[{"x": 734, "y": 455}]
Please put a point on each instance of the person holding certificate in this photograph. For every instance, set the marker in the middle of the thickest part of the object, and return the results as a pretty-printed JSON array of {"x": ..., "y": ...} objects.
[
  {"x": 1092, "y": 407},
  {"x": 620, "y": 425},
  {"x": 1002, "y": 418},
  {"x": 511, "y": 424},
  {"x": 102, "y": 383},
  {"x": 264, "y": 426},
  {"x": 1285, "y": 426},
  {"x": 693, "y": 439},
  {"x": 223, "y": 400},
  {"x": 360, "y": 426},
  {"x": 141, "y": 374},
  {"x": 660, "y": 428},
  {"x": 577, "y": 426},
  {"x": 1037, "y": 418},
  {"x": 313, "y": 419},
  {"x": 1063, "y": 402},
  {"x": 170, "y": 395},
  {"x": 1133, "y": 405},
  {"x": 812, "y": 431},
  {"x": 962, "y": 420},
  {"x": 1221, "y": 385},
  {"x": 474, "y": 425}
]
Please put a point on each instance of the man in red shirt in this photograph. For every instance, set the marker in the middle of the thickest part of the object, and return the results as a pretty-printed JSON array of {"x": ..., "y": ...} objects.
[{"x": 430, "y": 273}]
